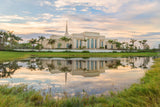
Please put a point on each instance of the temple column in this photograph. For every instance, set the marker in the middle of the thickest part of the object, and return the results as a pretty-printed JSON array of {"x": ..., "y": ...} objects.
[
  {"x": 89, "y": 65},
  {"x": 79, "y": 43},
  {"x": 74, "y": 43},
  {"x": 86, "y": 44},
  {"x": 97, "y": 65},
  {"x": 90, "y": 43},
  {"x": 93, "y": 43},
  {"x": 98, "y": 43},
  {"x": 94, "y": 65},
  {"x": 102, "y": 44}
]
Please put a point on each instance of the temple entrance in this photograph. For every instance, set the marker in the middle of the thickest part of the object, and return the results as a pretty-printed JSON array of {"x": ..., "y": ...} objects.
[
  {"x": 105, "y": 46},
  {"x": 70, "y": 46}
]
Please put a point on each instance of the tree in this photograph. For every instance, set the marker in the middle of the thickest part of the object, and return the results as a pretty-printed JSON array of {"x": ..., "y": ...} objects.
[
  {"x": 51, "y": 42},
  {"x": 1, "y": 39},
  {"x": 65, "y": 70},
  {"x": 5, "y": 37},
  {"x": 111, "y": 41},
  {"x": 39, "y": 46},
  {"x": 132, "y": 41},
  {"x": 33, "y": 42},
  {"x": 127, "y": 45},
  {"x": 144, "y": 43},
  {"x": 123, "y": 45},
  {"x": 41, "y": 38},
  {"x": 65, "y": 39},
  {"x": 12, "y": 42},
  {"x": 118, "y": 44},
  {"x": 9, "y": 37},
  {"x": 25, "y": 45},
  {"x": 18, "y": 38},
  {"x": 140, "y": 42}
]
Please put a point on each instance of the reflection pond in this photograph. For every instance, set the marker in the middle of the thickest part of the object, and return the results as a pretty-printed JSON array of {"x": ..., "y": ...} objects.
[{"x": 74, "y": 75}]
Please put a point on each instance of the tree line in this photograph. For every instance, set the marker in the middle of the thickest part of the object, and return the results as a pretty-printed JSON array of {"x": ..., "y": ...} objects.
[
  {"x": 131, "y": 44},
  {"x": 8, "y": 40}
]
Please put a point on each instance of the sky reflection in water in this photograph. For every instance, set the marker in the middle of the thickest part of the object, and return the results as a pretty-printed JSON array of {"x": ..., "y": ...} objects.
[{"x": 58, "y": 75}]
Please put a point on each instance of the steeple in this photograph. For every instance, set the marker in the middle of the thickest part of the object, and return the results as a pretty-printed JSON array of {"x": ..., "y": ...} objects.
[{"x": 66, "y": 33}]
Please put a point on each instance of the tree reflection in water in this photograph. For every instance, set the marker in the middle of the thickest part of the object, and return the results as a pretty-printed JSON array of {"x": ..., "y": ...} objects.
[
  {"x": 65, "y": 70},
  {"x": 114, "y": 64},
  {"x": 75, "y": 74},
  {"x": 84, "y": 67},
  {"x": 8, "y": 69},
  {"x": 31, "y": 64}
]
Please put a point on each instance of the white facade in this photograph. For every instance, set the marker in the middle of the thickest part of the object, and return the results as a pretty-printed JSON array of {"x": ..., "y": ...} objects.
[{"x": 85, "y": 40}]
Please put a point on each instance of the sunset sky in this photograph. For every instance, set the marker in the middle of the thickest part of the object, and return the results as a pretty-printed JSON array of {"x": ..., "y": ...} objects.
[{"x": 120, "y": 19}]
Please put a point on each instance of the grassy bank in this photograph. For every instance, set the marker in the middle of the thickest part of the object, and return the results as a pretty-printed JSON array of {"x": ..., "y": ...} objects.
[
  {"x": 145, "y": 94},
  {"x": 9, "y": 55}
]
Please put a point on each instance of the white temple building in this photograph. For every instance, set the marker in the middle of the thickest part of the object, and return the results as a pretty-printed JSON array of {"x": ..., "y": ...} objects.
[{"x": 85, "y": 40}]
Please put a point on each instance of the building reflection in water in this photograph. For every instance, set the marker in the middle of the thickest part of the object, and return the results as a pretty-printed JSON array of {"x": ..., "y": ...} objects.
[
  {"x": 84, "y": 67},
  {"x": 98, "y": 75},
  {"x": 90, "y": 67}
]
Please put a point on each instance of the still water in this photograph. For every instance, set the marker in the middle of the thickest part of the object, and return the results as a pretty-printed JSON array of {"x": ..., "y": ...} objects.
[{"x": 74, "y": 75}]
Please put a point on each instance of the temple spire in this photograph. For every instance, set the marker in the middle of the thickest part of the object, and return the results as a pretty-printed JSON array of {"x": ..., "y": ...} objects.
[{"x": 66, "y": 33}]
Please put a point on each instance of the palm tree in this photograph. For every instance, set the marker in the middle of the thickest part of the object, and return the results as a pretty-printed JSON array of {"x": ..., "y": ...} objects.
[
  {"x": 132, "y": 41},
  {"x": 9, "y": 37},
  {"x": 1, "y": 33},
  {"x": 131, "y": 46},
  {"x": 127, "y": 45},
  {"x": 41, "y": 38},
  {"x": 18, "y": 38},
  {"x": 12, "y": 41},
  {"x": 1, "y": 39},
  {"x": 144, "y": 43},
  {"x": 111, "y": 41},
  {"x": 33, "y": 42},
  {"x": 51, "y": 42},
  {"x": 118, "y": 44},
  {"x": 5, "y": 37},
  {"x": 123, "y": 43},
  {"x": 65, "y": 39},
  {"x": 140, "y": 42}
]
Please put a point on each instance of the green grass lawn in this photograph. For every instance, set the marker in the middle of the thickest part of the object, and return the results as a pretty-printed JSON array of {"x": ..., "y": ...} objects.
[
  {"x": 9, "y": 55},
  {"x": 145, "y": 94}
]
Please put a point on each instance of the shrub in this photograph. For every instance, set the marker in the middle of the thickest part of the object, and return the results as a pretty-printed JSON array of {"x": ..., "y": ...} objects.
[
  {"x": 85, "y": 52},
  {"x": 101, "y": 47},
  {"x": 114, "y": 51}
]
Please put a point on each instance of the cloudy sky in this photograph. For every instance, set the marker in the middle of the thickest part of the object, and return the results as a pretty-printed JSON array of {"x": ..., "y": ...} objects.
[{"x": 121, "y": 19}]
